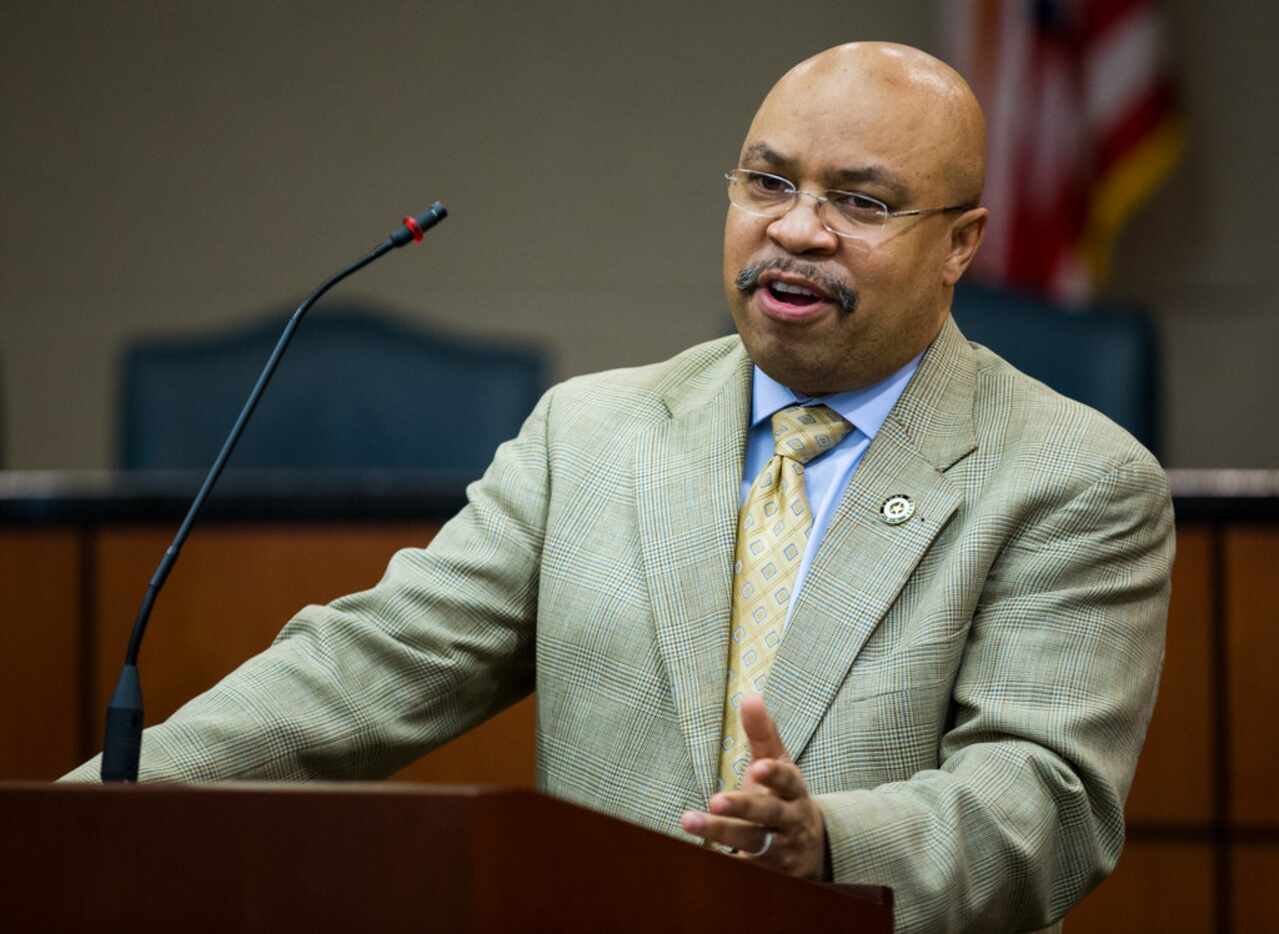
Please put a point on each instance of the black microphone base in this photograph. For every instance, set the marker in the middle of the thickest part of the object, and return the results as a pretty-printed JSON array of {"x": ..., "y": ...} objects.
[{"x": 122, "y": 747}]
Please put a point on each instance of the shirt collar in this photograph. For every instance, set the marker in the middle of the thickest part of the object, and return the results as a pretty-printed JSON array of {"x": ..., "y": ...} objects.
[{"x": 865, "y": 409}]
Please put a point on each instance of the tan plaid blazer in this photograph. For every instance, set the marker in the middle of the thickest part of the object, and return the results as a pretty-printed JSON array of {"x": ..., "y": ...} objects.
[{"x": 966, "y": 692}]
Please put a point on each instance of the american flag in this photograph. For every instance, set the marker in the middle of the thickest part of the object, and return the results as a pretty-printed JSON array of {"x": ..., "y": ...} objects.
[{"x": 1082, "y": 125}]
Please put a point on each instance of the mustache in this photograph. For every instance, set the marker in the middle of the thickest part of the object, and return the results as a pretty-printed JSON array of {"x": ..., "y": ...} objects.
[{"x": 747, "y": 280}]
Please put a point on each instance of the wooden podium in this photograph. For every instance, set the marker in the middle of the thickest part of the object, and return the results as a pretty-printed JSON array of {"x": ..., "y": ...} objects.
[{"x": 378, "y": 857}]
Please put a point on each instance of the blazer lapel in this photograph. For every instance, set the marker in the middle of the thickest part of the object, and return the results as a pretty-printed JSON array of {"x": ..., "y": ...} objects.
[
  {"x": 864, "y": 561},
  {"x": 688, "y": 479}
]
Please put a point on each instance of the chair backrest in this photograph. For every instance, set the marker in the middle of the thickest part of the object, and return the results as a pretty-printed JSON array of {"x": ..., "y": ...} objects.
[
  {"x": 354, "y": 391},
  {"x": 1106, "y": 358}
]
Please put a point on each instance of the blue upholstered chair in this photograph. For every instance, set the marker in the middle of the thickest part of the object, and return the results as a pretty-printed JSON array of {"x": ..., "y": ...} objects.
[
  {"x": 1105, "y": 358},
  {"x": 355, "y": 391}
]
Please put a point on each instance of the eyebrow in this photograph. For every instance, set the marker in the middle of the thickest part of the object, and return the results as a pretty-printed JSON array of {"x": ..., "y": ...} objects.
[{"x": 868, "y": 174}]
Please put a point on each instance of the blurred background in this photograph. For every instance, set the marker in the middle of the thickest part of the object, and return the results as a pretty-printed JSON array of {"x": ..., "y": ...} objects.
[
  {"x": 182, "y": 168},
  {"x": 178, "y": 176}
]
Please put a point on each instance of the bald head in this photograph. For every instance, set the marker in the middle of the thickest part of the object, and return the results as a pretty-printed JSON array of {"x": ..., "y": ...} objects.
[
  {"x": 901, "y": 102},
  {"x": 860, "y": 294}
]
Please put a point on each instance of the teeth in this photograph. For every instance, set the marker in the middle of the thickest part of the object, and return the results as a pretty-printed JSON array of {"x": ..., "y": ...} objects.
[{"x": 793, "y": 289}]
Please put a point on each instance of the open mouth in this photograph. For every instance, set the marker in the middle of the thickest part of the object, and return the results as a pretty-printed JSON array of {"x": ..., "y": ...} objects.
[
  {"x": 797, "y": 295},
  {"x": 791, "y": 291}
]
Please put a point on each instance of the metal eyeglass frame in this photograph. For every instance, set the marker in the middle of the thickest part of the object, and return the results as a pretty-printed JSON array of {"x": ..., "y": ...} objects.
[{"x": 793, "y": 194}]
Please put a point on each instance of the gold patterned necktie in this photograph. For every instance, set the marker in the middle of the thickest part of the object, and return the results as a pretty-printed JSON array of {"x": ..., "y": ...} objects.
[{"x": 772, "y": 533}]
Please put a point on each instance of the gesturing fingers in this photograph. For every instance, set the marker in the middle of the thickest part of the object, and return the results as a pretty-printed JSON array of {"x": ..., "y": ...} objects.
[
  {"x": 782, "y": 778},
  {"x": 760, "y": 730},
  {"x": 770, "y": 818},
  {"x": 731, "y": 832},
  {"x": 789, "y": 835},
  {"x": 764, "y": 810}
]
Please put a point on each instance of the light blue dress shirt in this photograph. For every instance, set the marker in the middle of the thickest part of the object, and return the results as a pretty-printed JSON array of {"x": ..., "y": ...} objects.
[{"x": 827, "y": 475}]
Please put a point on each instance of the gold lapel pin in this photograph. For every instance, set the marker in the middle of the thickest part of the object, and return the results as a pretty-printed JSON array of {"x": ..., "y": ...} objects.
[{"x": 897, "y": 509}]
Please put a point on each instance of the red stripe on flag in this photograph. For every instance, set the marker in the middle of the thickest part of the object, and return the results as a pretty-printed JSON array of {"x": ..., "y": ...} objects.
[
  {"x": 1100, "y": 16},
  {"x": 1046, "y": 221},
  {"x": 984, "y": 55},
  {"x": 1089, "y": 89},
  {"x": 1140, "y": 118}
]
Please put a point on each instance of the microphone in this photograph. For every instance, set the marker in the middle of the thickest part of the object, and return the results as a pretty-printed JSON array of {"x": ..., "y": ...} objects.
[
  {"x": 415, "y": 225},
  {"x": 122, "y": 747}
]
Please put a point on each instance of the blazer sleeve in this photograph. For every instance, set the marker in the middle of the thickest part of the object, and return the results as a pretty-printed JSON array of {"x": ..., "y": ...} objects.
[
  {"x": 363, "y": 686},
  {"x": 1049, "y": 712}
]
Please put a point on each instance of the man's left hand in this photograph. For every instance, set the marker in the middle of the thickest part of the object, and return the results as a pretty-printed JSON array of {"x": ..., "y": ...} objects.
[{"x": 771, "y": 807}]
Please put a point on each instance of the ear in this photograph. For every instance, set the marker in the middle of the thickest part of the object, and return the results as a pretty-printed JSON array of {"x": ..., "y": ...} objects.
[{"x": 965, "y": 238}]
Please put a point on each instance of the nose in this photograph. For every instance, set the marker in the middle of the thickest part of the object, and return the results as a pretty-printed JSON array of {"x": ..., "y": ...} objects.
[{"x": 800, "y": 230}]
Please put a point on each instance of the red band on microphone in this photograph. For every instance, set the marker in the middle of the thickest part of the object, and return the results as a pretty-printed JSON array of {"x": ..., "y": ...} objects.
[{"x": 414, "y": 228}]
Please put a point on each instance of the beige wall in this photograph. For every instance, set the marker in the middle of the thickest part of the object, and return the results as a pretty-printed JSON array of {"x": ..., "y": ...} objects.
[
  {"x": 1202, "y": 256},
  {"x": 181, "y": 167}
]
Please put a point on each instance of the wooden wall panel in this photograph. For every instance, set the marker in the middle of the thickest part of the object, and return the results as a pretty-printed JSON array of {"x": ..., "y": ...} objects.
[
  {"x": 1164, "y": 887},
  {"x": 233, "y": 590},
  {"x": 1180, "y": 741},
  {"x": 40, "y": 661},
  {"x": 1252, "y": 633},
  {"x": 1256, "y": 870}
]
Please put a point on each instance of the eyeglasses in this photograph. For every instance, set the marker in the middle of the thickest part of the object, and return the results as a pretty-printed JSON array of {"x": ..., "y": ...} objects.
[{"x": 846, "y": 213}]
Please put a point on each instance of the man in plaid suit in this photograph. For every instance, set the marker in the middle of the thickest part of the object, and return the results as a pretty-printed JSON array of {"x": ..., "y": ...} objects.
[{"x": 971, "y": 661}]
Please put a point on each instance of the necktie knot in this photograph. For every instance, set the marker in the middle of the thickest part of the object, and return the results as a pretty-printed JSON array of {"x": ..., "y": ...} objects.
[{"x": 803, "y": 432}]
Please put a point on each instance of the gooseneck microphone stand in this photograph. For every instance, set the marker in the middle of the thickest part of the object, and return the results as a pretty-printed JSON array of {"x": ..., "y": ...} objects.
[{"x": 122, "y": 747}]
